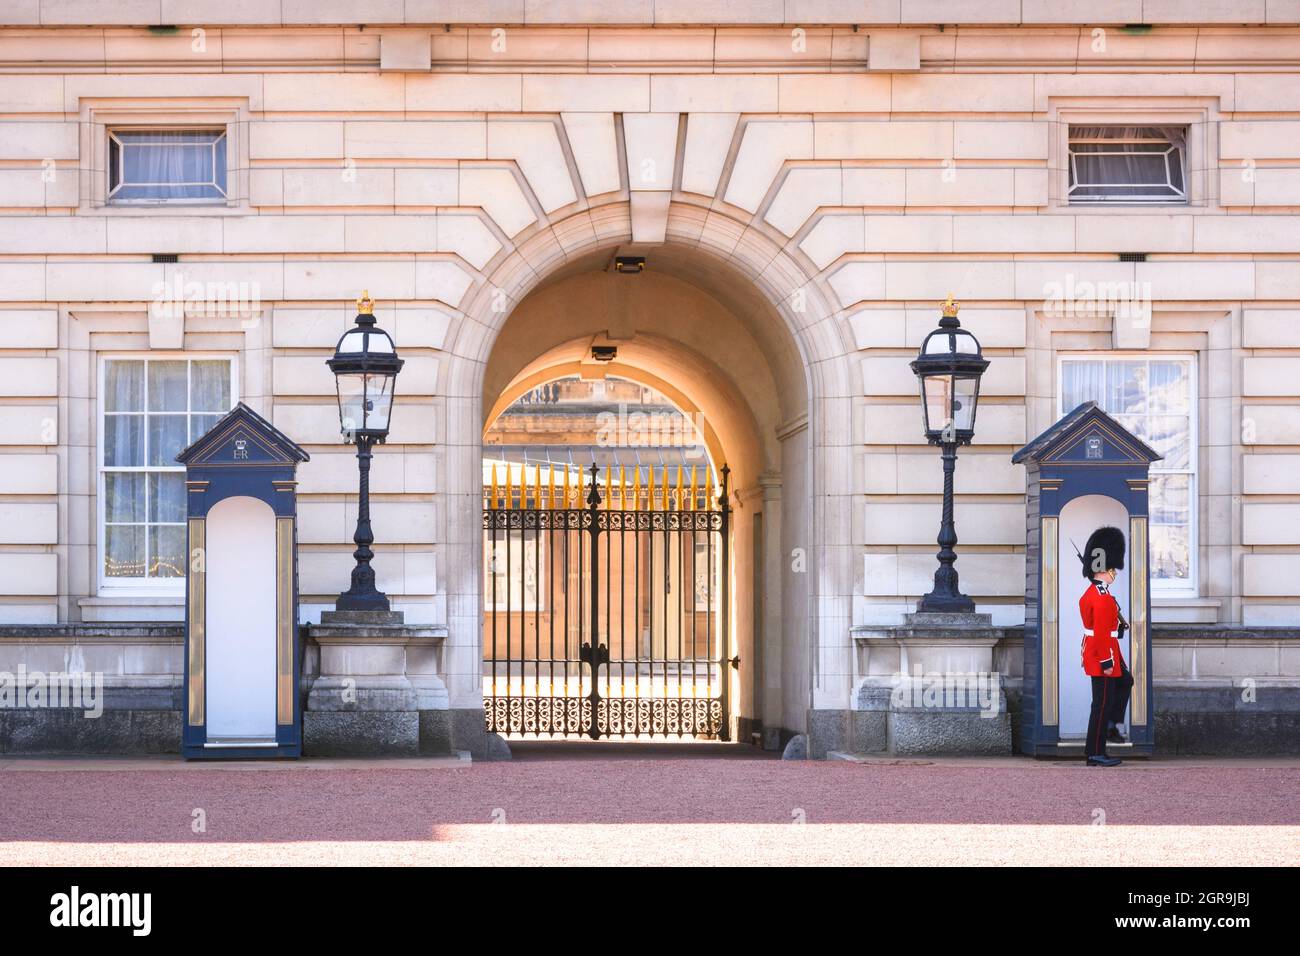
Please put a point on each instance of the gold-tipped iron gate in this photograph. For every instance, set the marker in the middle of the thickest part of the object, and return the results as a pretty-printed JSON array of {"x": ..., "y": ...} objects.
[{"x": 606, "y": 609}]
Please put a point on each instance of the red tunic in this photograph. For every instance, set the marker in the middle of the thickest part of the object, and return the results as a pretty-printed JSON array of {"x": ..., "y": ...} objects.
[{"x": 1100, "y": 613}]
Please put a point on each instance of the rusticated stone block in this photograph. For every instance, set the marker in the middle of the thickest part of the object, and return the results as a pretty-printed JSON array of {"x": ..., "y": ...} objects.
[
  {"x": 63, "y": 731},
  {"x": 949, "y": 732},
  {"x": 435, "y": 732},
  {"x": 361, "y": 733}
]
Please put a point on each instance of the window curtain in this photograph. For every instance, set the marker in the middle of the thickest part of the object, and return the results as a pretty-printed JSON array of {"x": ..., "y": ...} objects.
[
  {"x": 1083, "y": 382},
  {"x": 124, "y": 433}
]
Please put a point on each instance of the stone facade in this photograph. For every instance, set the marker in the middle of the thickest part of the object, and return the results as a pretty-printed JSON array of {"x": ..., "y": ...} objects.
[{"x": 807, "y": 181}]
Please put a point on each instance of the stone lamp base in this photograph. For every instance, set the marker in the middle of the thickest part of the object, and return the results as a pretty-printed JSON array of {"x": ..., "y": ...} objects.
[{"x": 931, "y": 686}]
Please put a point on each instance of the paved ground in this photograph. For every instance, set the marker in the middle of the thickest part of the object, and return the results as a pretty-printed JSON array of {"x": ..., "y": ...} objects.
[{"x": 583, "y": 804}]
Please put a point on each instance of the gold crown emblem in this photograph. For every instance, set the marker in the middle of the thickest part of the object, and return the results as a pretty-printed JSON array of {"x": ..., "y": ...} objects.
[
  {"x": 365, "y": 304},
  {"x": 950, "y": 306}
]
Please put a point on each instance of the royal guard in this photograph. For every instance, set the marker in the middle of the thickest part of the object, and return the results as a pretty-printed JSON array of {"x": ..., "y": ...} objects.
[{"x": 1103, "y": 626}]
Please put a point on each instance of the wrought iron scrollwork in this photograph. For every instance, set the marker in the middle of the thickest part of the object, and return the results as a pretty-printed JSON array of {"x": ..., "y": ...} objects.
[{"x": 606, "y": 621}]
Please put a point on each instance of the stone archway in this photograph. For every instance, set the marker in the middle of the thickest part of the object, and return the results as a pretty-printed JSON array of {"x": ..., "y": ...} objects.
[{"x": 773, "y": 357}]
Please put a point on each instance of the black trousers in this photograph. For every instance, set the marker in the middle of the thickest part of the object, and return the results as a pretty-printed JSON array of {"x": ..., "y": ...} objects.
[
  {"x": 1109, "y": 701},
  {"x": 1119, "y": 699}
]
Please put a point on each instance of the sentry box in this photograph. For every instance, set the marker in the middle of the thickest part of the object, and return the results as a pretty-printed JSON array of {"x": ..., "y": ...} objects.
[
  {"x": 242, "y": 653},
  {"x": 1083, "y": 473}
]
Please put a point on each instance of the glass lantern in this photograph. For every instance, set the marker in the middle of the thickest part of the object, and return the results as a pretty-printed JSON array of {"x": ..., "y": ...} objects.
[
  {"x": 948, "y": 369},
  {"x": 365, "y": 367}
]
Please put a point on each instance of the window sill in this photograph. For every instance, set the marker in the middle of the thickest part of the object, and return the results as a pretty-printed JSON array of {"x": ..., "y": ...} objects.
[
  {"x": 133, "y": 607},
  {"x": 1186, "y": 609},
  {"x": 161, "y": 203},
  {"x": 1127, "y": 203},
  {"x": 1102, "y": 208},
  {"x": 163, "y": 209}
]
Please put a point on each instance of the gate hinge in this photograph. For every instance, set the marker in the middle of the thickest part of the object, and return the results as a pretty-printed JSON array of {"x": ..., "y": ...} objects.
[{"x": 735, "y": 662}]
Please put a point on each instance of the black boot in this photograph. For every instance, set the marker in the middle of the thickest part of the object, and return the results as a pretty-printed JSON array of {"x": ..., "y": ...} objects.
[
  {"x": 1114, "y": 736},
  {"x": 1101, "y": 760}
]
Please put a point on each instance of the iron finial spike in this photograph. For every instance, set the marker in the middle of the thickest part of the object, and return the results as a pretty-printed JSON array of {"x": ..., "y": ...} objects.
[
  {"x": 622, "y": 490},
  {"x": 508, "y": 489},
  {"x": 593, "y": 496},
  {"x": 495, "y": 489}
]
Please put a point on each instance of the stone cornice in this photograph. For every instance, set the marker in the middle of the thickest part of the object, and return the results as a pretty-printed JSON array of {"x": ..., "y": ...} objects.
[
  {"x": 377, "y": 13},
  {"x": 639, "y": 48}
]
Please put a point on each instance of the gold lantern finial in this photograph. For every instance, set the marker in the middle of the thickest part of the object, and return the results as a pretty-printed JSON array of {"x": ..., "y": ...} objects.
[
  {"x": 365, "y": 304},
  {"x": 950, "y": 307}
]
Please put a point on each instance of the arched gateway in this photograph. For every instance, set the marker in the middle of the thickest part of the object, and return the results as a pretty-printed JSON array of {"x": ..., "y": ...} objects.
[{"x": 732, "y": 330}]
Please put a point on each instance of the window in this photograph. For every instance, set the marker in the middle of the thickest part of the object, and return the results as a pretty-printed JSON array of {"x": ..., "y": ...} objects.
[
  {"x": 173, "y": 165},
  {"x": 1128, "y": 164},
  {"x": 152, "y": 409},
  {"x": 1155, "y": 399},
  {"x": 512, "y": 572}
]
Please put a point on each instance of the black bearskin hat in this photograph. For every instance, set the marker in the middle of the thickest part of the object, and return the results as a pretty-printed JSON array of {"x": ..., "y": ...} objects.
[{"x": 1110, "y": 542}]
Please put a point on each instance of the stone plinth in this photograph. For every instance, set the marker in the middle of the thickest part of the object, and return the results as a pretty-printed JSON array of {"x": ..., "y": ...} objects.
[
  {"x": 375, "y": 687},
  {"x": 935, "y": 642},
  {"x": 931, "y": 686},
  {"x": 362, "y": 618}
]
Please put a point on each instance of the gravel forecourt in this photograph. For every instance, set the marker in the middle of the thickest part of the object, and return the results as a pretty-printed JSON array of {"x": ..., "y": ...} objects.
[{"x": 624, "y": 808}]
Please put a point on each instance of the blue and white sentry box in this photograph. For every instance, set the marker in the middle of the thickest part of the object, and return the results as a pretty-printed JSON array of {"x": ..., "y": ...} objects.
[
  {"x": 242, "y": 654},
  {"x": 1084, "y": 472}
]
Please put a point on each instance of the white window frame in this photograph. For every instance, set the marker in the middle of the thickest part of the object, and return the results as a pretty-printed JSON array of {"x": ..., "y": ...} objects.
[
  {"x": 1179, "y": 198},
  {"x": 222, "y": 133},
  {"x": 1160, "y": 586},
  {"x": 142, "y": 587},
  {"x": 1199, "y": 114},
  {"x": 99, "y": 116}
]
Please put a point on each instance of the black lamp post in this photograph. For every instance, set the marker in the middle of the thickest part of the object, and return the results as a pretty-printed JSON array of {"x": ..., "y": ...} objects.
[
  {"x": 365, "y": 367},
  {"x": 948, "y": 368}
]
